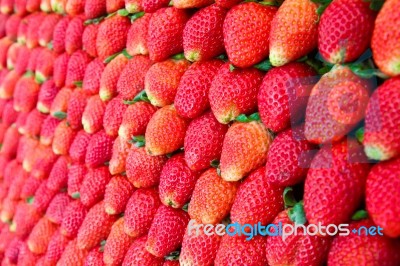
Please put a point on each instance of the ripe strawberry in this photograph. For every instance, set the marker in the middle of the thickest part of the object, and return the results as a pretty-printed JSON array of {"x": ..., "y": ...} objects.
[
  {"x": 10, "y": 143},
  {"x": 227, "y": 4},
  {"x": 357, "y": 20},
  {"x": 47, "y": 93},
  {"x": 99, "y": 149},
  {"x": 109, "y": 77},
  {"x": 75, "y": 7},
  {"x": 114, "y": 5},
  {"x": 119, "y": 153},
  {"x": 91, "y": 80},
  {"x": 73, "y": 217},
  {"x": 59, "y": 105},
  {"x": 111, "y": 36},
  {"x": 45, "y": 5},
  {"x": 34, "y": 123},
  {"x": 40, "y": 236},
  {"x": 25, "y": 218},
  {"x": 76, "y": 173},
  {"x": 165, "y": 132},
  {"x": 57, "y": 207},
  {"x": 76, "y": 68},
  {"x": 165, "y": 33},
  {"x": 33, "y": 58},
  {"x": 47, "y": 27},
  {"x": 73, "y": 254},
  {"x": 133, "y": 6},
  {"x": 8, "y": 209},
  {"x": 12, "y": 252},
  {"x": 113, "y": 115},
  {"x": 244, "y": 149},
  {"x": 234, "y": 92},
  {"x": 136, "y": 42},
  {"x": 287, "y": 44},
  {"x": 10, "y": 26},
  {"x": 89, "y": 39},
  {"x": 22, "y": 30},
  {"x": 343, "y": 169},
  {"x": 132, "y": 78},
  {"x": 60, "y": 69},
  {"x": 76, "y": 106},
  {"x": 32, "y": 5},
  {"x": 29, "y": 188},
  {"x": 5, "y": 45},
  {"x": 166, "y": 231},
  {"x": 63, "y": 137},
  {"x": 19, "y": 179},
  {"x": 9, "y": 115},
  {"x": 11, "y": 54},
  {"x": 7, "y": 86},
  {"x": 283, "y": 95},
  {"x": 26, "y": 94},
  {"x": 336, "y": 105},
  {"x": 379, "y": 198},
  {"x": 43, "y": 197},
  {"x": 117, "y": 193},
  {"x": 58, "y": 176},
  {"x": 59, "y": 34},
  {"x": 381, "y": 139},
  {"x": 151, "y": 6},
  {"x": 95, "y": 9},
  {"x": 48, "y": 129},
  {"x": 96, "y": 227},
  {"x": 191, "y": 98},
  {"x": 135, "y": 120},
  {"x": 140, "y": 211},
  {"x": 92, "y": 117},
  {"x": 56, "y": 247},
  {"x": 44, "y": 160},
  {"x": 95, "y": 257},
  {"x": 94, "y": 186},
  {"x": 117, "y": 244},
  {"x": 384, "y": 45},
  {"x": 25, "y": 256},
  {"x": 32, "y": 34},
  {"x": 365, "y": 249},
  {"x": 73, "y": 35},
  {"x": 6, "y": 238},
  {"x": 137, "y": 254},
  {"x": 59, "y": 6}
]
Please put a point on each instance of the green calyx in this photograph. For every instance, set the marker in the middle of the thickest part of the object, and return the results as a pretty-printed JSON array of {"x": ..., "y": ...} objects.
[
  {"x": 269, "y": 3},
  {"x": 173, "y": 256},
  {"x": 178, "y": 56},
  {"x": 60, "y": 115},
  {"x": 140, "y": 97},
  {"x": 323, "y": 4},
  {"x": 231, "y": 67},
  {"x": 214, "y": 163},
  {"x": 76, "y": 195},
  {"x": 375, "y": 5},
  {"x": 30, "y": 200},
  {"x": 138, "y": 141},
  {"x": 78, "y": 83},
  {"x": 123, "y": 12},
  {"x": 94, "y": 20},
  {"x": 246, "y": 119},
  {"x": 264, "y": 65},
  {"x": 359, "y": 215},
  {"x": 360, "y": 134},
  {"x": 135, "y": 16},
  {"x": 111, "y": 57},
  {"x": 288, "y": 197},
  {"x": 297, "y": 214}
]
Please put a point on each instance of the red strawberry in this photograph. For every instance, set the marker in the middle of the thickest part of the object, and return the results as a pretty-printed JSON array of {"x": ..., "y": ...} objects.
[
  {"x": 89, "y": 39},
  {"x": 8, "y": 209},
  {"x": 76, "y": 68},
  {"x": 92, "y": 117},
  {"x": 25, "y": 218},
  {"x": 9, "y": 115},
  {"x": 111, "y": 36},
  {"x": 26, "y": 94},
  {"x": 114, "y": 5},
  {"x": 27, "y": 148},
  {"x": 76, "y": 107},
  {"x": 32, "y": 34},
  {"x": 60, "y": 69},
  {"x": 191, "y": 98},
  {"x": 48, "y": 129},
  {"x": 58, "y": 6},
  {"x": 59, "y": 174},
  {"x": 45, "y": 5},
  {"x": 11, "y": 54},
  {"x": 136, "y": 42},
  {"x": 73, "y": 37},
  {"x": 3, "y": 21},
  {"x": 245, "y": 148},
  {"x": 227, "y": 4},
  {"x": 63, "y": 137},
  {"x": 12, "y": 252},
  {"x": 34, "y": 122},
  {"x": 96, "y": 227},
  {"x": 385, "y": 48},
  {"x": 287, "y": 44},
  {"x": 76, "y": 173},
  {"x": 132, "y": 78},
  {"x": 140, "y": 211},
  {"x": 109, "y": 77},
  {"x": 379, "y": 198},
  {"x": 7, "y": 86},
  {"x": 5, "y": 45},
  {"x": 40, "y": 236},
  {"x": 20, "y": 177},
  {"x": 143, "y": 170},
  {"x": 166, "y": 33},
  {"x": 73, "y": 217},
  {"x": 117, "y": 244},
  {"x": 151, "y": 6},
  {"x": 95, "y": 257},
  {"x": 117, "y": 193},
  {"x": 22, "y": 30},
  {"x": 177, "y": 182},
  {"x": 91, "y": 80},
  {"x": 11, "y": 26},
  {"x": 234, "y": 92},
  {"x": 135, "y": 120},
  {"x": 113, "y": 115},
  {"x": 43, "y": 197},
  {"x": 95, "y": 8},
  {"x": 94, "y": 186},
  {"x": 137, "y": 254},
  {"x": 381, "y": 139},
  {"x": 10, "y": 142},
  {"x": 32, "y": 5},
  {"x": 283, "y": 95},
  {"x": 166, "y": 231},
  {"x": 57, "y": 207},
  {"x": 75, "y": 7},
  {"x": 27, "y": 257},
  {"x": 22, "y": 60},
  {"x": 343, "y": 169},
  {"x": 133, "y": 6},
  {"x": 30, "y": 187},
  {"x": 99, "y": 149},
  {"x": 47, "y": 93},
  {"x": 47, "y": 28},
  {"x": 60, "y": 103},
  {"x": 56, "y": 247},
  {"x": 44, "y": 160},
  {"x": 162, "y": 81},
  {"x": 59, "y": 34},
  {"x": 336, "y": 105},
  {"x": 120, "y": 151},
  {"x": 72, "y": 255},
  {"x": 33, "y": 58},
  {"x": 191, "y": 3},
  {"x": 6, "y": 238},
  {"x": 204, "y": 207},
  {"x": 165, "y": 132}
]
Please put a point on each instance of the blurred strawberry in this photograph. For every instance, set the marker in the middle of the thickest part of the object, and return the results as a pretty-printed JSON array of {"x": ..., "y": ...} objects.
[
  {"x": 47, "y": 28},
  {"x": 76, "y": 106},
  {"x": 11, "y": 26},
  {"x": 75, "y": 7},
  {"x": 136, "y": 42},
  {"x": 113, "y": 115},
  {"x": 43, "y": 197},
  {"x": 89, "y": 39},
  {"x": 29, "y": 188},
  {"x": 40, "y": 236},
  {"x": 59, "y": 6},
  {"x": 33, "y": 58},
  {"x": 92, "y": 117},
  {"x": 99, "y": 149},
  {"x": 120, "y": 151},
  {"x": 44, "y": 160},
  {"x": 94, "y": 186},
  {"x": 77, "y": 64},
  {"x": 8, "y": 84},
  {"x": 76, "y": 173},
  {"x": 95, "y": 257},
  {"x": 133, "y": 6},
  {"x": 34, "y": 122},
  {"x": 63, "y": 137},
  {"x": 10, "y": 142},
  {"x": 56, "y": 247},
  {"x": 138, "y": 255},
  {"x": 47, "y": 93},
  {"x": 117, "y": 193},
  {"x": 73, "y": 217},
  {"x": 60, "y": 69},
  {"x": 73, "y": 254},
  {"x": 32, "y": 34},
  {"x": 59, "y": 174},
  {"x": 57, "y": 206},
  {"x": 110, "y": 76},
  {"x": 151, "y": 6},
  {"x": 95, "y": 9},
  {"x": 59, "y": 105},
  {"x": 73, "y": 35},
  {"x": 91, "y": 80},
  {"x": 26, "y": 94},
  {"x": 25, "y": 218},
  {"x": 114, "y": 5},
  {"x": 32, "y": 5},
  {"x": 48, "y": 130},
  {"x": 59, "y": 34},
  {"x": 27, "y": 257}
]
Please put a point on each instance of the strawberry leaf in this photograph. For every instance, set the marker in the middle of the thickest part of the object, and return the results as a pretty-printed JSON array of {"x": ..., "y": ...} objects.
[
  {"x": 123, "y": 12},
  {"x": 264, "y": 65},
  {"x": 60, "y": 115},
  {"x": 136, "y": 16},
  {"x": 360, "y": 215},
  {"x": 360, "y": 134}
]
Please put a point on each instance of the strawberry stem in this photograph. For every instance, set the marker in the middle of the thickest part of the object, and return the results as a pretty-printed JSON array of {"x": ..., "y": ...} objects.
[
  {"x": 297, "y": 214},
  {"x": 359, "y": 215},
  {"x": 136, "y": 16},
  {"x": 246, "y": 119},
  {"x": 360, "y": 134},
  {"x": 288, "y": 197}
]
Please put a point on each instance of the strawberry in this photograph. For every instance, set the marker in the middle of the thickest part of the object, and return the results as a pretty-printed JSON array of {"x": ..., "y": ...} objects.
[
  {"x": 34, "y": 122},
  {"x": 117, "y": 244},
  {"x": 5, "y": 45},
  {"x": 177, "y": 182},
  {"x": 136, "y": 42},
  {"x": 75, "y": 7},
  {"x": 140, "y": 211},
  {"x": 22, "y": 60},
  {"x": 357, "y": 20},
  {"x": 63, "y": 137},
  {"x": 45, "y": 5},
  {"x": 8, "y": 84},
  {"x": 379, "y": 198},
  {"x": 72, "y": 255},
  {"x": 166, "y": 231},
  {"x": 59, "y": 174},
  {"x": 76, "y": 173},
  {"x": 44, "y": 160},
  {"x": 381, "y": 139},
  {"x": 165, "y": 132},
  {"x": 113, "y": 115},
  {"x": 10, "y": 142},
  {"x": 95, "y": 8},
  {"x": 133, "y": 6},
  {"x": 191, "y": 98},
  {"x": 132, "y": 78},
  {"x": 59, "y": 105},
  {"x": 73, "y": 35},
  {"x": 162, "y": 81},
  {"x": 89, "y": 39},
  {"x": 94, "y": 186},
  {"x": 234, "y": 92},
  {"x": 6, "y": 6},
  {"x": 119, "y": 153},
  {"x": 117, "y": 193},
  {"x": 336, "y": 104},
  {"x": 25, "y": 94},
  {"x": 60, "y": 69},
  {"x": 99, "y": 149},
  {"x": 43, "y": 197},
  {"x": 151, "y": 6},
  {"x": 289, "y": 158},
  {"x": 21, "y": 176},
  {"x": 283, "y": 95},
  {"x": 114, "y": 5},
  {"x": 56, "y": 247},
  {"x": 47, "y": 93},
  {"x": 32, "y": 154},
  {"x": 343, "y": 170},
  {"x": 135, "y": 120},
  {"x": 366, "y": 249},
  {"x": 40, "y": 236},
  {"x": 59, "y": 6},
  {"x": 11, "y": 26},
  {"x": 203, "y": 206},
  {"x": 73, "y": 217},
  {"x": 166, "y": 33},
  {"x": 25, "y": 256},
  {"x": 143, "y": 170},
  {"x": 25, "y": 218},
  {"x": 244, "y": 149},
  {"x": 26, "y": 146},
  {"x": 287, "y": 44},
  {"x": 33, "y": 58},
  {"x": 8, "y": 209},
  {"x": 22, "y": 30},
  {"x": 32, "y": 37},
  {"x": 12, "y": 252},
  {"x": 137, "y": 254},
  {"x": 3, "y": 22},
  {"x": 385, "y": 48},
  {"x": 109, "y": 77},
  {"x": 32, "y": 5},
  {"x": 95, "y": 257},
  {"x": 192, "y": 3},
  {"x": 91, "y": 80},
  {"x": 12, "y": 54},
  {"x": 76, "y": 68},
  {"x": 48, "y": 129},
  {"x": 9, "y": 115},
  {"x": 92, "y": 117},
  {"x": 96, "y": 227},
  {"x": 46, "y": 29},
  {"x": 59, "y": 34},
  {"x": 76, "y": 106},
  {"x": 111, "y": 36},
  {"x": 6, "y": 238},
  {"x": 29, "y": 188},
  {"x": 57, "y": 207}
]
